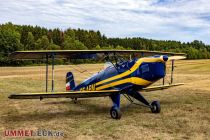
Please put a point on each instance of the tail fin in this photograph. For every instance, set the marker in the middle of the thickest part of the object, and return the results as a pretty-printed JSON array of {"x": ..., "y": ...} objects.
[{"x": 69, "y": 81}]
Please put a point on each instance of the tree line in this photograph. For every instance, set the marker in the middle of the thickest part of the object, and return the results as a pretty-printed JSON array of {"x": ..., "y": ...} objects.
[{"x": 27, "y": 37}]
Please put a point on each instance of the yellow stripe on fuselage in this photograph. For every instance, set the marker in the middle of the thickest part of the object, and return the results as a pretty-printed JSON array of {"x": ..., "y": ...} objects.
[
  {"x": 132, "y": 69},
  {"x": 133, "y": 80}
]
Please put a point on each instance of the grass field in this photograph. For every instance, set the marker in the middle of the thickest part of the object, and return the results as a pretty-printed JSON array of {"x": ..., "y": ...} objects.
[{"x": 185, "y": 110}]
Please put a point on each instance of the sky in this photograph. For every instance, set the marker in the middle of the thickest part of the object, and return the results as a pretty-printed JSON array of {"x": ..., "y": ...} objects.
[{"x": 181, "y": 20}]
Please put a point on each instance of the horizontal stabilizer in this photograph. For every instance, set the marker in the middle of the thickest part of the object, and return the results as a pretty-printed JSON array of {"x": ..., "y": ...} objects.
[
  {"x": 153, "y": 88},
  {"x": 70, "y": 94}
]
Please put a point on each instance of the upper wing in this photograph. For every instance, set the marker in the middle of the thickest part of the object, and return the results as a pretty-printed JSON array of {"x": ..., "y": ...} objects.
[
  {"x": 82, "y": 54},
  {"x": 153, "y": 88},
  {"x": 171, "y": 58},
  {"x": 70, "y": 94}
]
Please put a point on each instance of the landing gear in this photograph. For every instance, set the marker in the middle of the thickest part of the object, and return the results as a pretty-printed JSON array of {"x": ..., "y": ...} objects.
[
  {"x": 115, "y": 113},
  {"x": 74, "y": 100},
  {"x": 115, "y": 110},
  {"x": 155, "y": 107}
]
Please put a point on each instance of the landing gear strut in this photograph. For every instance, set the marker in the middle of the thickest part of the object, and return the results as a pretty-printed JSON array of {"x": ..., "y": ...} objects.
[
  {"x": 115, "y": 110},
  {"x": 154, "y": 106}
]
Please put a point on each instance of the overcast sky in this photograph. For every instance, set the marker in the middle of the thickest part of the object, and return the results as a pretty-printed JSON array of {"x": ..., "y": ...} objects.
[{"x": 184, "y": 20}]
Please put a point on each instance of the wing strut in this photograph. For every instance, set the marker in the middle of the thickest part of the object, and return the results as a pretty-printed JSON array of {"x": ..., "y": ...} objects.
[
  {"x": 164, "y": 80},
  {"x": 165, "y": 69},
  {"x": 172, "y": 70},
  {"x": 53, "y": 61},
  {"x": 46, "y": 72}
]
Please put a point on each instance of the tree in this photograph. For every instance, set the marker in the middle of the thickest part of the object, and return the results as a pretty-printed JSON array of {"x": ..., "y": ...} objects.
[
  {"x": 79, "y": 45},
  {"x": 119, "y": 47},
  {"x": 53, "y": 46},
  {"x": 57, "y": 36},
  {"x": 71, "y": 44},
  {"x": 9, "y": 39},
  {"x": 42, "y": 44},
  {"x": 70, "y": 33},
  {"x": 30, "y": 45},
  {"x": 9, "y": 42},
  {"x": 68, "y": 43},
  {"x": 27, "y": 37},
  {"x": 98, "y": 47}
]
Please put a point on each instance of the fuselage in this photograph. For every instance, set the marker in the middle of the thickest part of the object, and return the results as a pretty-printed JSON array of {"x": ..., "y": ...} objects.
[{"x": 137, "y": 73}]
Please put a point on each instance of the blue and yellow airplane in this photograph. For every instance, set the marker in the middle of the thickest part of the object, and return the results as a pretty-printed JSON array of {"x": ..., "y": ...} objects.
[{"x": 122, "y": 77}]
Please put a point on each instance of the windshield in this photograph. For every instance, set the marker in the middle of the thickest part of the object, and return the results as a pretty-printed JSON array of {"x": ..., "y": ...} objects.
[{"x": 108, "y": 65}]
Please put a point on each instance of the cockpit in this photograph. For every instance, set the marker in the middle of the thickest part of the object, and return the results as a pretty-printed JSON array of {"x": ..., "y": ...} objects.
[{"x": 108, "y": 65}]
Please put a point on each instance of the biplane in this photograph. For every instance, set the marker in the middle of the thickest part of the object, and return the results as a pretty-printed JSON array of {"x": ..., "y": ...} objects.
[{"x": 127, "y": 73}]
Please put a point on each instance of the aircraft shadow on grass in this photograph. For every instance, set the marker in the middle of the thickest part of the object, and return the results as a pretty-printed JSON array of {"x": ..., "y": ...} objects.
[{"x": 86, "y": 109}]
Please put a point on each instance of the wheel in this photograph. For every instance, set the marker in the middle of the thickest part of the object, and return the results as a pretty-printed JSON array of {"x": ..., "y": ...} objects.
[
  {"x": 155, "y": 107},
  {"x": 74, "y": 99},
  {"x": 115, "y": 113}
]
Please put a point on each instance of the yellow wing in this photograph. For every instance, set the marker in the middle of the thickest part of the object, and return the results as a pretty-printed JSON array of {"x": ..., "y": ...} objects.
[
  {"x": 153, "y": 88},
  {"x": 180, "y": 57},
  {"x": 81, "y": 54},
  {"x": 70, "y": 94}
]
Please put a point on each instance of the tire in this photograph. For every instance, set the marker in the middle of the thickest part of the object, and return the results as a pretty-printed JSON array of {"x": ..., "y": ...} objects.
[
  {"x": 155, "y": 107},
  {"x": 74, "y": 100},
  {"x": 115, "y": 113}
]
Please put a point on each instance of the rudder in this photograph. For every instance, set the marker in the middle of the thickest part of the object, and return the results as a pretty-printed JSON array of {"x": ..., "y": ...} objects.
[{"x": 70, "y": 85}]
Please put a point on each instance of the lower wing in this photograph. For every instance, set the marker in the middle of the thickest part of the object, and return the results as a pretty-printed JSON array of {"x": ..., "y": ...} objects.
[
  {"x": 70, "y": 94},
  {"x": 153, "y": 88},
  {"x": 82, "y": 94}
]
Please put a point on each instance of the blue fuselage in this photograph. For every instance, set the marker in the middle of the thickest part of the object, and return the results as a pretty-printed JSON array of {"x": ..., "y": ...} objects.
[{"x": 138, "y": 73}]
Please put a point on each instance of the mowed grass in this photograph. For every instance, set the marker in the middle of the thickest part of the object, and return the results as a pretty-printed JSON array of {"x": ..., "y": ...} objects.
[{"x": 185, "y": 110}]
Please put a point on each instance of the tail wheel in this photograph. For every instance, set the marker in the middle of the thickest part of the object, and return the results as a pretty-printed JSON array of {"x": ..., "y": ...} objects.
[
  {"x": 74, "y": 100},
  {"x": 155, "y": 107},
  {"x": 115, "y": 113}
]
